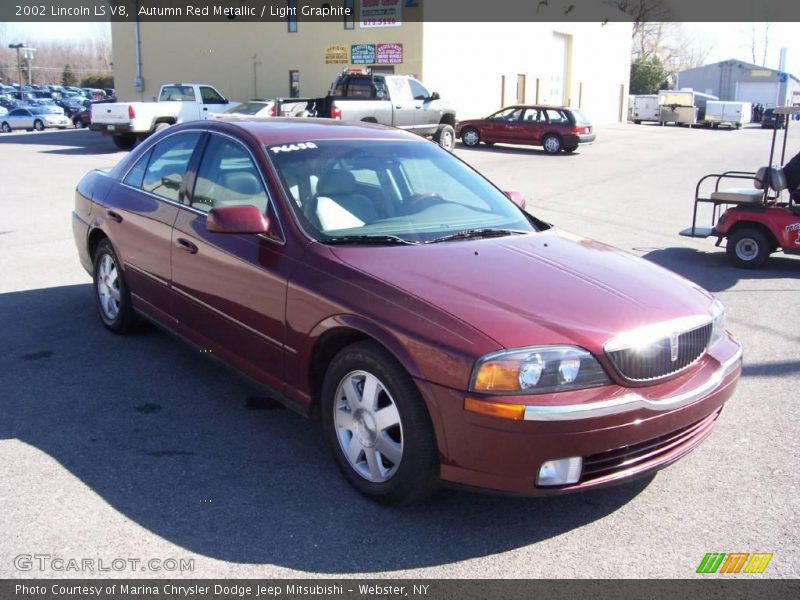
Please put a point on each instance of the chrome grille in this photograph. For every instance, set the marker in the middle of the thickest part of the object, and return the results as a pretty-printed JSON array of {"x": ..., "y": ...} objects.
[{"x": 661, "y": 358}]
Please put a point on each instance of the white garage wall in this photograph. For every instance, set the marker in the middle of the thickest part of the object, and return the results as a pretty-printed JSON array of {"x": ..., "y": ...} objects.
[{"x": 464, "y": 62}]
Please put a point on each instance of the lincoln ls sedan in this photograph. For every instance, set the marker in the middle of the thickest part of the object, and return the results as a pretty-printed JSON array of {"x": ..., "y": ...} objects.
[{"x": 440, "y": 332}]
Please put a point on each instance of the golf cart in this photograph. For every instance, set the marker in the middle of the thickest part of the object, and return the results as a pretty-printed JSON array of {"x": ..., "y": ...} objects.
[{"x": 755, "y": 221}]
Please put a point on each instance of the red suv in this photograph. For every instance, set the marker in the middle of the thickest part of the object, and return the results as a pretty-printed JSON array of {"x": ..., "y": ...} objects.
[
  {"x": 366, "y": 275},
  {"x": 555, "y": 128}
]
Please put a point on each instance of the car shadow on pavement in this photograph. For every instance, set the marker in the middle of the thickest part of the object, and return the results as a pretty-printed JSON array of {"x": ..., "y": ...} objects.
[
  {"x": 198, "y": 456},
  {"x": 518, "y": 150},
  {"x": 68, "y": 141},
  {"x": 712, "y": 270}
]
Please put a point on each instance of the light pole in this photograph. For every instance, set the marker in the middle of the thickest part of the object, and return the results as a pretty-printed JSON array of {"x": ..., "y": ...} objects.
[{"x": 18, "y": 47}]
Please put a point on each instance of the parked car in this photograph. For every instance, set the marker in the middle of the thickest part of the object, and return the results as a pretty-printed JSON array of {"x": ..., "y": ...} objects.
[
  {"x": 772, "y": 121},
  {"x": 3, "y": 111},
  {"x": 246, "y": 110},
  {"x": 441, "y": 332},
  {"x": 555, "y": 128},
  {"x": 32, "y": 117}
]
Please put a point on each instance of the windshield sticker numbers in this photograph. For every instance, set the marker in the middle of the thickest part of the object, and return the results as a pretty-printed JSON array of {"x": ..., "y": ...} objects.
[{"x": 293, "y": 147}]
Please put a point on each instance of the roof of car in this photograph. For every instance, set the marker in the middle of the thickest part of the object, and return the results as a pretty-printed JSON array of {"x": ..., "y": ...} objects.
[{"x": 291, "y": 130}]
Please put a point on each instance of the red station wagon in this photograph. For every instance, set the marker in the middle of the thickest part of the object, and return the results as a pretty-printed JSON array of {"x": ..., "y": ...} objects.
[
  {"x": 441, "y": 332},
  {"x": 554, "y": 128}
]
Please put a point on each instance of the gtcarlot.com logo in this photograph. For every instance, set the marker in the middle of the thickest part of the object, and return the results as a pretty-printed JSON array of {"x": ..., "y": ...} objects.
[
  {"x": 48, "y": 562},
  {"x": 727, "y": 563}
]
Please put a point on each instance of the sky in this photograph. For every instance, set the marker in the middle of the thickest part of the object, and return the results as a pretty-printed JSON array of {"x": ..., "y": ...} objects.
[{"x": 723, "y": 40}]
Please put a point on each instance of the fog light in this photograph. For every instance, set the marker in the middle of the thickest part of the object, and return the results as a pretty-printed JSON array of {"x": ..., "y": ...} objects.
[{"x": 560, "y": 471}]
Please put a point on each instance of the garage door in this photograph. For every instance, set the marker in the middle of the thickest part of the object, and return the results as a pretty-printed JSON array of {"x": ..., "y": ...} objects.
[{"x": 758, "y": 92}]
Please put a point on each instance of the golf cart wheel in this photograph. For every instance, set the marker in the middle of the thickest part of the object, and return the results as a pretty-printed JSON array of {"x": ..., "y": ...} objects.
[{"x": 748, "y": 248}]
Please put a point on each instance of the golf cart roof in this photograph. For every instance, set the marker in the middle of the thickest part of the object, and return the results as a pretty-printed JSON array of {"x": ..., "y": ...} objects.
[{"x": 787, "y": 110}]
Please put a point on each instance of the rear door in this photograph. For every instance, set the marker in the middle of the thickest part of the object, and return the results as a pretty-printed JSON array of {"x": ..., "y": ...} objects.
[
  {"x": 140, "y": 214},
  {"x": 230, "y": 290},
  {"x": 21, "y": 118}
]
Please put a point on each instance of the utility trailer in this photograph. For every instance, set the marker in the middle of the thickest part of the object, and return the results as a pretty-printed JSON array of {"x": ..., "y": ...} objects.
[
  {"x": 683, "y": 107},
  {"x": 732, "y": 114},
  {"x": 644, "y": 107}
]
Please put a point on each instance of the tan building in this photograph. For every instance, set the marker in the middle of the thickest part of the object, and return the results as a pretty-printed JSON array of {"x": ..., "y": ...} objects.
[{"x": 478, "y": 67}]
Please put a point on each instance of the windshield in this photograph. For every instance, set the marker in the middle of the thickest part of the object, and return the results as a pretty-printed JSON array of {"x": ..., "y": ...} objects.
[{"x": 390, "y": 191}]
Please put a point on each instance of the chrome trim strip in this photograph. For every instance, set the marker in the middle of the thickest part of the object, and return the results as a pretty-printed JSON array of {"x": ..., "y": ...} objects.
[
  {"x": 227, "y": 317},
  {"x": 632, "y": 401}
]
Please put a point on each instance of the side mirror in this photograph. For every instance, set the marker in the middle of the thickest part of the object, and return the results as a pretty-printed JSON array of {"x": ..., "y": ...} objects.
[
  {"x": 517, "y": 198},
  {"x": 244, "y": 218},
  {"x": 172, "y": 182},
  {"x": 435, "y": 96}
]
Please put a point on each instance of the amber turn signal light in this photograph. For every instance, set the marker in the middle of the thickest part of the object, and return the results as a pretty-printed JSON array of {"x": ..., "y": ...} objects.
[{"x": 513, "y": 412}]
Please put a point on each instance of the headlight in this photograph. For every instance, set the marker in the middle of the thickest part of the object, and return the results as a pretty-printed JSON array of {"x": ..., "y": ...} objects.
[
  {"x": 537, "y": 370},
  {"x": 717, "y": 310}
]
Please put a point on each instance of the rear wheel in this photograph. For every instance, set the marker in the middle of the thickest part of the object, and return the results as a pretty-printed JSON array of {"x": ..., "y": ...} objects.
[
  {"x": 124, "y": 142},
  {"x": 161, "y": 127},
  {"x": 38, "y": 125},
  {"x": 570, "y": 149},
  {"x": 446, "y": 137},
  {"x": 748, "y": 248},
  {"x": 111, "y": 292},
  {"x": 378, "y": 427},
  {"x": 552, "y": 143},
  {"x": 471, "y": 137},
  {"x": 78, "y": 124}
]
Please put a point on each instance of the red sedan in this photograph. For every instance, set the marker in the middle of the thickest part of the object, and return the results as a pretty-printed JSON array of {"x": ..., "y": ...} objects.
[
  {"x": 442, "y": 333},
  {"x": 554, "y": 128}
]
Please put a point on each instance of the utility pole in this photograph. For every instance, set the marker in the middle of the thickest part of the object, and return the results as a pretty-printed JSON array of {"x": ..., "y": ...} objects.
[{"x": 255, "y": 77}]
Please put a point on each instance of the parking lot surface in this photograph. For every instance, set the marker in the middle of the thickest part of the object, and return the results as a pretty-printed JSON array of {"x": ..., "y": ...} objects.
[{"x": 141, "y": 448}]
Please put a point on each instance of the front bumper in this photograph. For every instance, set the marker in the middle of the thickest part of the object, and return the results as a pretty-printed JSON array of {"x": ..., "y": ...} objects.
[{"x": 621, "y": 433}]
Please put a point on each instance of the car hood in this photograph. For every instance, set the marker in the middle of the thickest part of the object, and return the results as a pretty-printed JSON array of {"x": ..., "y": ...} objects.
[{"x": 544, "y": 288}]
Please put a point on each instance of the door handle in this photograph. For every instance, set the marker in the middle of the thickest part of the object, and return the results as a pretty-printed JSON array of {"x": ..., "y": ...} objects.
[
  {"x": 114, "y": 216},
  {"x": 185, "y": 244}
]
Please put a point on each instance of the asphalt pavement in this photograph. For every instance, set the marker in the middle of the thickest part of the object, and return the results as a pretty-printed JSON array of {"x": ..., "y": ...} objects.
[{"x": 140, "y": 448}]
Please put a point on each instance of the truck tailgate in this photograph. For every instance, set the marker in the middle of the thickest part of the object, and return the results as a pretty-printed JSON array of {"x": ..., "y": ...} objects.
[{"x": 114, "y": 113}]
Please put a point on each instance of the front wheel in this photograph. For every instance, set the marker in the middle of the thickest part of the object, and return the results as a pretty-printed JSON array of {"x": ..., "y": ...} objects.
[
  {"x": 6, "y": 127},
  {"x": 378, "y": 427},
  {"x": 446, "y": 137},
  {"x": 748, "y": 248},
  {"x": 552, "y": 144},
  {"x": 471, "y": 137},
  {"x": 111, "y": 291},
  {"x": 78, "y": 124},
  {"x": 38, "y": 125}
]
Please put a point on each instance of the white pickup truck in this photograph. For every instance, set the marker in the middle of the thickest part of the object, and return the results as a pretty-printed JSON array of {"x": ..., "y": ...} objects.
[{"x": 128, "y": 122}]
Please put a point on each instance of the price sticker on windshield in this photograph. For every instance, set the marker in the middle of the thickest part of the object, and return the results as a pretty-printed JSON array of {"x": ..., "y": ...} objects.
[{"x": 293, "y": 147}]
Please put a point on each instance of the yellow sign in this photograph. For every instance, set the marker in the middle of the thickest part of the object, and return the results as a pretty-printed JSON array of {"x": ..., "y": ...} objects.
[
  {"x": 336, "y": 55},
  {"x": 760, "y": 73}
]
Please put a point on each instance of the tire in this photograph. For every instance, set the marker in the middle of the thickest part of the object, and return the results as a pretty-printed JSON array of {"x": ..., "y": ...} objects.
[
  {"x": 78, "y": 124},
  {"x": 38, "y": 125},
  {"x": 394, "y": 428},
  {"x": 748, "y": 248},
  {"x": 637, "y": 122},
  {"x": 570, "y": 149},
  {"x": 161, "y": 127},
  {"x": 446, "y": 137},
  {"x": 471, "y": 137},
  {"x": 124, "y": 142},
  {"x": 552, "y": 143},
  {"x": 5, "y": 127},
  {"x": 111, "y": 292}
]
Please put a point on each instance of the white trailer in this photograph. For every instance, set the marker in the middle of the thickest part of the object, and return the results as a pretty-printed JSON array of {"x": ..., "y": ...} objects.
[
  {"x": 732, "y": 114},
  {"x": 683, "y": 107},
  {"x": 645, "y": 108}
]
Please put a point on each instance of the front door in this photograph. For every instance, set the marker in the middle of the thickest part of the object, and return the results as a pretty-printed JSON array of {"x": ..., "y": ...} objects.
[{"x": 229, "y": 291}]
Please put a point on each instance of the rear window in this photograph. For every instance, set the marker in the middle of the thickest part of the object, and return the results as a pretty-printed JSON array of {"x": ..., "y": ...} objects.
[
  {"x": 248, "y": 108},
  {"x": 178, "y": 93},
  {"x": 580, "y": 117}
]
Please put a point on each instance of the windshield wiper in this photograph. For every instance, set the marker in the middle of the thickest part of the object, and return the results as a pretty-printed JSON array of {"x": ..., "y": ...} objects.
[
  {"x": 378, "y": 240},
  {"x": 470, "y": 234}
]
